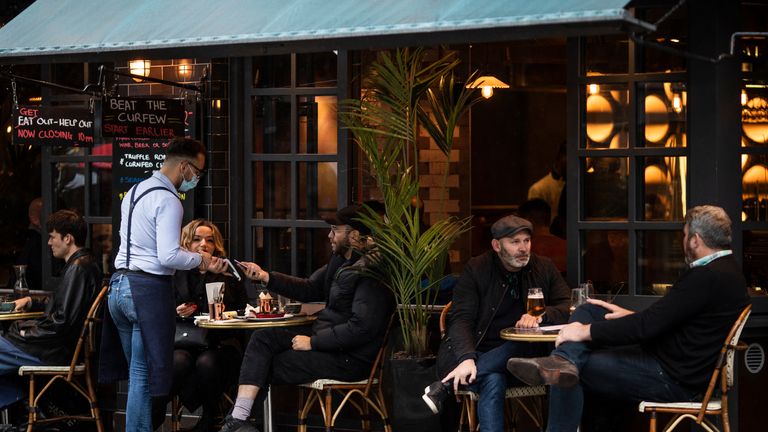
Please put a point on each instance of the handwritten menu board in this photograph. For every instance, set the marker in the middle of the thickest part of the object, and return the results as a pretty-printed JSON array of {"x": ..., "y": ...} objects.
[
  {"x": 135, "y": 159},
  {"x": 41, "y": 125},
  {"x": 142, "y": 118}
]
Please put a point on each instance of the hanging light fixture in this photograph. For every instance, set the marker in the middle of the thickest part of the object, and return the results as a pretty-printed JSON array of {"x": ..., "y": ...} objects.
[
  {"x": 487, "y": 83},
  {"x": 139, "y": 67}
]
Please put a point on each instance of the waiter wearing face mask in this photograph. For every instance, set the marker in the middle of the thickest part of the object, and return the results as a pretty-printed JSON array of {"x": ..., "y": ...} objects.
[{"x": 137, "y": 341}]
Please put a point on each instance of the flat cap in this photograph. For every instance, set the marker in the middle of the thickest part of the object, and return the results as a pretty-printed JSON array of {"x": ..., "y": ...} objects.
[
  {"x": 509, "y": 226},
  {"x": 349, "y": 216}
]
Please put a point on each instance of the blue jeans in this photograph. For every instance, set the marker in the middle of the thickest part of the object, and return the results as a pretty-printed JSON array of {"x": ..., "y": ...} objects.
[
  {"x": 625, "y": 372},
  {"x": 11, "y": 358},
  {"x": 492, "y": 381},
  {"x": 138, "y": 411}
]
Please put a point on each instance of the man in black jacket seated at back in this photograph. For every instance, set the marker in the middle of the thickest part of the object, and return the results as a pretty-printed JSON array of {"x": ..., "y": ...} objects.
[
  {"x": 665, "y": 353},
  {"x": 491, "y": 295},
  {"x": 343, "y": 341},
  {"x": 51, "y": 340}
]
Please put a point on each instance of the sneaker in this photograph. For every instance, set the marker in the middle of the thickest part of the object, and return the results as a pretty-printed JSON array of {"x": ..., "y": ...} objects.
[
  {"x": 435, "y": 394},
  {"x": 232, "y": 424},
  {"x": 552, "y": 370}
]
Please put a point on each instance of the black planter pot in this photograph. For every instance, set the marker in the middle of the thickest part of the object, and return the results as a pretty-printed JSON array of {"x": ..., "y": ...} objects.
[{"x": 404, "y": 383}]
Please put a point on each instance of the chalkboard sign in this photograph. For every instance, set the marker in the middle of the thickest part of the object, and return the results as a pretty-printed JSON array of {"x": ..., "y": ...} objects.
[
  {"x": 41, "y": 125},
  {"x": 142, "y": 118},
  {"x": 134, "y": 160}
]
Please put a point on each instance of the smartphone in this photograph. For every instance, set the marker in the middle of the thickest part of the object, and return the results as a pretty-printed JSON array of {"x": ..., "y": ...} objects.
[{"x": 234, "y": 270}]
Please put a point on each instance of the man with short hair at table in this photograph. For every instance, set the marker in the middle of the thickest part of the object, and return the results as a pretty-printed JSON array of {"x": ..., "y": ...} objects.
[
  {"x": 345, "y": 338},
  {"x": 51, "y": 339},
  {"x": 491, "y": 295},
  {"x": 665, "y": 353}
]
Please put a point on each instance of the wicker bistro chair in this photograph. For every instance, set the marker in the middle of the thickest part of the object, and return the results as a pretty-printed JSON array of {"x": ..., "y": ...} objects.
[
  {"x": 710, "y": 404},
  {"x": 515, "y": 397},
  {"x": 78, "y": 374},
  {"x": 369, "y": 394}
]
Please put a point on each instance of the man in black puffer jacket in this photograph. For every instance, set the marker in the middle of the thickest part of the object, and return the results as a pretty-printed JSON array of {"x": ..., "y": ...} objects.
[
  {"x": 344, "y": 340},
  {"x": 490, "y": 296}
]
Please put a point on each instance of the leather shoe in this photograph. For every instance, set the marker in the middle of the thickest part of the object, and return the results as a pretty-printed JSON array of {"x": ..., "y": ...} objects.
[{"x": 552, "y": 370}]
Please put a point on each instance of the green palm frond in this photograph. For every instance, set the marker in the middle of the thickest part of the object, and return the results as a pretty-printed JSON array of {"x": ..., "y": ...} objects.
[{"x": 403, "y": 93}]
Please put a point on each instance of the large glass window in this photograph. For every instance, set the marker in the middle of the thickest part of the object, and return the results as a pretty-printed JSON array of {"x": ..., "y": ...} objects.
[
  {"x": 753, "y": 99},
  {"x": 633, "y": 170},
  {"x": 296, "y": 168}
]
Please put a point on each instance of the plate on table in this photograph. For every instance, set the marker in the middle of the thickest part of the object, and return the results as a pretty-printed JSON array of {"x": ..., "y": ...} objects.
[{"x": 269, "y": 317}]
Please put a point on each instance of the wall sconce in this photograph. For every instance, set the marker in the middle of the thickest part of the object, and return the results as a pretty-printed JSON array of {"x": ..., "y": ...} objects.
[
  {"x": 593, "y": 89},
  {"x": 487, "y": 83},
  {"x": 139, "y": 67}
]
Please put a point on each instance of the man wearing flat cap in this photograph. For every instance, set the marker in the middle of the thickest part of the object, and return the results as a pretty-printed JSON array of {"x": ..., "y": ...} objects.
[
  {"x": 343, "y": 341},
  {"x": 491, "y": 295}
]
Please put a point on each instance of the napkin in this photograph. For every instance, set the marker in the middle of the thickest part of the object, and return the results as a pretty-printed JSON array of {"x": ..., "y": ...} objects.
[{"x": 215, "y": 291}]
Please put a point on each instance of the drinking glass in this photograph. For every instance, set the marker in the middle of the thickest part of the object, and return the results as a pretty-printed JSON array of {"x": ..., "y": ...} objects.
[
  {"x": 578, "y": 298},
  {"x": 589, "y": 289},
  {"x": 535, "y": 303}
]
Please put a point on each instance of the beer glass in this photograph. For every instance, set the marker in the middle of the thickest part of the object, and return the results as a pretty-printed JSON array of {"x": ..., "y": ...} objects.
[{"x": 535, "y": 303}]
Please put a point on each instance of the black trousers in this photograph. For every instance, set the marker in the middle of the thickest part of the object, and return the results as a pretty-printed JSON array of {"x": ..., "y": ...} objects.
[{"x": 269, "y": 358}]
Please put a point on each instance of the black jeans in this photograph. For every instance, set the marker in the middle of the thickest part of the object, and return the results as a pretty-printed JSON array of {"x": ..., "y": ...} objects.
[
  {"x": 200, "y": 377},
  {"x": 269, "y": 358}
]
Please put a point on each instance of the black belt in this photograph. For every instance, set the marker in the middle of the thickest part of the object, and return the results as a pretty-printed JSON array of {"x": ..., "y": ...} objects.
[{"x": 143, "y": 273}]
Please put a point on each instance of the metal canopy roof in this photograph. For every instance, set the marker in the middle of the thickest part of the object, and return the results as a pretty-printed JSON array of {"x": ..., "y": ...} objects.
[{"x": 56, "y": 28}]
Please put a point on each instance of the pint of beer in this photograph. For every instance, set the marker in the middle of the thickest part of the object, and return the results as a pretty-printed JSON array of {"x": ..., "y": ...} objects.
[{"x": 535, "y": 303}]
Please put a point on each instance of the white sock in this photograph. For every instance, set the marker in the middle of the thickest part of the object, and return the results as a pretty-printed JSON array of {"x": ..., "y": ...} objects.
[{"x": 242, "y": 408}]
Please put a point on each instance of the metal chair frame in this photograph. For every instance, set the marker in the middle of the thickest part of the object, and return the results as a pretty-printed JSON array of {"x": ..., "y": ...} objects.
[
  {"x": 710, "y": 405},
  {"x": 321, "y": 392},
  {"x": 77, "y": 375}
]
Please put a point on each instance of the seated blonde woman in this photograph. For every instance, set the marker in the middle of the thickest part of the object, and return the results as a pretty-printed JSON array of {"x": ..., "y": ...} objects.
[{"x": 202, "y": 373}]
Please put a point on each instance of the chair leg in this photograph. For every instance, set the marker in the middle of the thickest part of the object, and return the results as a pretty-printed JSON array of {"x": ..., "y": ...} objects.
[
  {"x": 653, "y": 422},
  {"x": 383, "y": 408},
  {"x": 32, "y": 414},
  {"x": 473, "y": 426},
  {"x": 176, "y": 409},
  {"x": 94, "y": 404},
  {"x": 462, "y": 415},
  {"x": 304, "y": 407},
  {"x": 366, "y": 415},
  {"x": 328, "y": 414}
]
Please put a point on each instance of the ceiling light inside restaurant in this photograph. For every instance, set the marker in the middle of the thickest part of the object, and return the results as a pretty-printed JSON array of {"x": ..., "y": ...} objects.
[{"x": 487, "y": 83}]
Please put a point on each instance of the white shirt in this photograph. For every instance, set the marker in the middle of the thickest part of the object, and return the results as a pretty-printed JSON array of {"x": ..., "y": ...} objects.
[
  {"x": 549, "y": 189},
  {"x": 155, "y": 231}
]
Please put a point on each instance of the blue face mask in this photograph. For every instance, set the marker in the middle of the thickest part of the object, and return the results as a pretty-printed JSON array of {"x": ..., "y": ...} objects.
[{"x": 188, "y": 185}]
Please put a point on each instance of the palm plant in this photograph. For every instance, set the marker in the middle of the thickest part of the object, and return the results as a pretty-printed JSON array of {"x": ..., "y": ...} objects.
[{"x": 402, "y": 94}]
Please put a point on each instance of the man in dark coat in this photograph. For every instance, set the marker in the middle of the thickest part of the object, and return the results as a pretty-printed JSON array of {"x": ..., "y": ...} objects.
[
  {"x": 491, "y": 295},
  {"x": 665, "y": 353},
  {"x": 343, "y": 341},
  {"x": 51, "y": 339}
]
